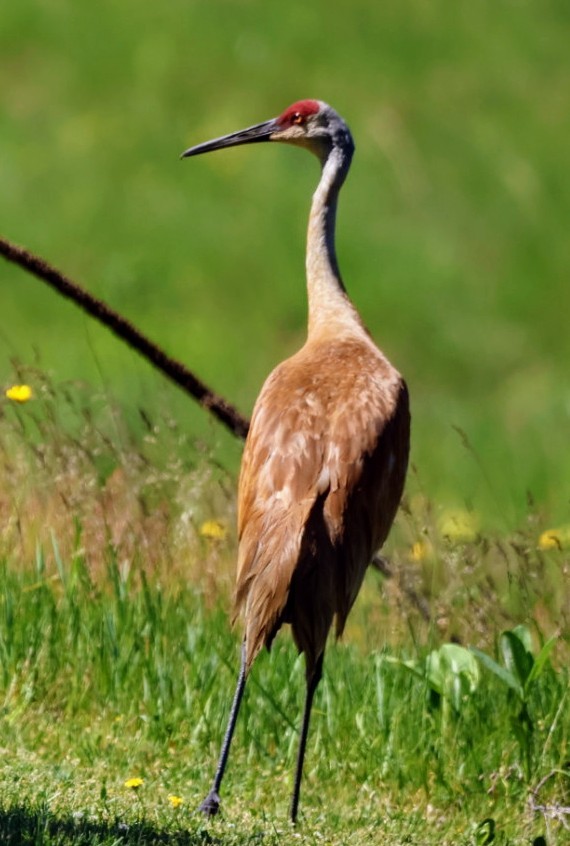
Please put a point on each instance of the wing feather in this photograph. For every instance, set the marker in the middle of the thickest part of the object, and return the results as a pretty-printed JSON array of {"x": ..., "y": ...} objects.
[{"x": 317, "y": 485}]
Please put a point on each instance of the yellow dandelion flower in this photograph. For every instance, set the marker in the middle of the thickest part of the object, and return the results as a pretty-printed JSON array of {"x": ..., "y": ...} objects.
[
  {"x": 134, "y": 783},
  {"x": 458, "y": 525},
  {"x": 19, "y": 393},
  {"x": 549, "y": 540},
  {"x": 175, "y": 801},
  {"x": 213, "y": 530},
  {"x": 555, "y": 538},
  {"x": 419, "y": 551}
]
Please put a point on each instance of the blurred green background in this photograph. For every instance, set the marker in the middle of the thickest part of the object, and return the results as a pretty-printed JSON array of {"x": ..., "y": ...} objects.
[{"x": 452, "y": 230}]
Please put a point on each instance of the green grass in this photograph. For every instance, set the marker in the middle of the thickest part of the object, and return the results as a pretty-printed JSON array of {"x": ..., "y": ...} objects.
[
  {"x": 452, "y": 225},
  {"x": 102, "y": 684},
  {"x": 117, "y": 661}
]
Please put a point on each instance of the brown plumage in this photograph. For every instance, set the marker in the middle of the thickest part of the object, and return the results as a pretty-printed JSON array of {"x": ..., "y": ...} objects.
[
  {"x": 319, "y": 486},
  {"x": 325, "y": 459}
]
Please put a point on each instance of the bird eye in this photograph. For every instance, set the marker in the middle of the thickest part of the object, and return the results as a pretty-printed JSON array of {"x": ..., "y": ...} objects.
[{"x": 298, "y": 119}]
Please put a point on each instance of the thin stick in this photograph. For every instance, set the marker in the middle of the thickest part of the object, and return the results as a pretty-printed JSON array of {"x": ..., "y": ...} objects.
[{"x": 123, "y": 329}]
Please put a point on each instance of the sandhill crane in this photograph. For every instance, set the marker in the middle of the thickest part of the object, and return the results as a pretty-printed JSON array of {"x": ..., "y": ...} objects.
[{"x": 326, "y": 455}]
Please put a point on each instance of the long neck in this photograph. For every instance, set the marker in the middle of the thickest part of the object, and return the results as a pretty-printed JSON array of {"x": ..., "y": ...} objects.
[{"x": 329, "y": 306}]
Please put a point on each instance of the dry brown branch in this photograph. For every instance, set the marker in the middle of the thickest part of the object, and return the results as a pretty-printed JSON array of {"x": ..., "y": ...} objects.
[{"x": 123, "y": 329}]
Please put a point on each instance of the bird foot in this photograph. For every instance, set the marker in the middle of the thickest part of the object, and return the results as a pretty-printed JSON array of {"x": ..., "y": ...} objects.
[{"x": 211, "y": 804}]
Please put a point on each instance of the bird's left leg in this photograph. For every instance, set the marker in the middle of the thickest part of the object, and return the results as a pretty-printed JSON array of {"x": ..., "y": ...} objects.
[
  {"x": 312, "y": 682},
  {"x": 211, "y": 803}
]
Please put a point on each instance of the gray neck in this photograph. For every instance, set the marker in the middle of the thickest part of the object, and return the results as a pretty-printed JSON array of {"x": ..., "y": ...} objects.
[{"x": 329, "y": 305}]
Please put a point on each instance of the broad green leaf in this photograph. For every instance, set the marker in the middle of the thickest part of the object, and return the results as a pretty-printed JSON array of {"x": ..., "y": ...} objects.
[
  {"x": 485, "y": 832},
  {"x": 518, "y": 660},
  {"x": 434, "y": 671},
  {"x": 503, "y": 674},
  {"x": 459, "y": 673},
  {"x": 450, "y": 671},
  {"x": 541, "y": 659},
  {"x": 524, "y": 635},
  {"x": 461, "y": 662}
]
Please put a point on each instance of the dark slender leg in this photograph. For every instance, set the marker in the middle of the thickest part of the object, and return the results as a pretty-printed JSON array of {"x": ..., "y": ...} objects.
[
  {"x": 211, "y": 803},
  {"x": 312, "y": 683}
]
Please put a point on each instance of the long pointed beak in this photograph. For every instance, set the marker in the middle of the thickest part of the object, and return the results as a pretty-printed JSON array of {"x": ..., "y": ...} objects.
[{"x": 252, "y": 135}]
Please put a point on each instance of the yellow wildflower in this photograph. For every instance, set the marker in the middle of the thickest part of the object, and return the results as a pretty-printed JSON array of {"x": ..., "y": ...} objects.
[
  {"x": 549, "y": 540},
  {"x": 420, "y": 551},
  {"x": 213, "y": 530},
  {"x": 134, "y": 783},
  {"x": 458, "y": 525},
  {"x": 175, "y": 801},
  {"x": 19, "y": 393},
  {"x": 555, "y": 538}
]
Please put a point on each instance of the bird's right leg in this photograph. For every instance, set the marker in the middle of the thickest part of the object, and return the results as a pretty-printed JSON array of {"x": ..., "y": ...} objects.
[
  {"x": 211, "y": 803},
  {"x": 312, "y": 682}
]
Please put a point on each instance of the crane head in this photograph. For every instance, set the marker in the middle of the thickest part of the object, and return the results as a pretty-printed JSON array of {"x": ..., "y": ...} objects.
[{"x": 307, "y": 123}]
